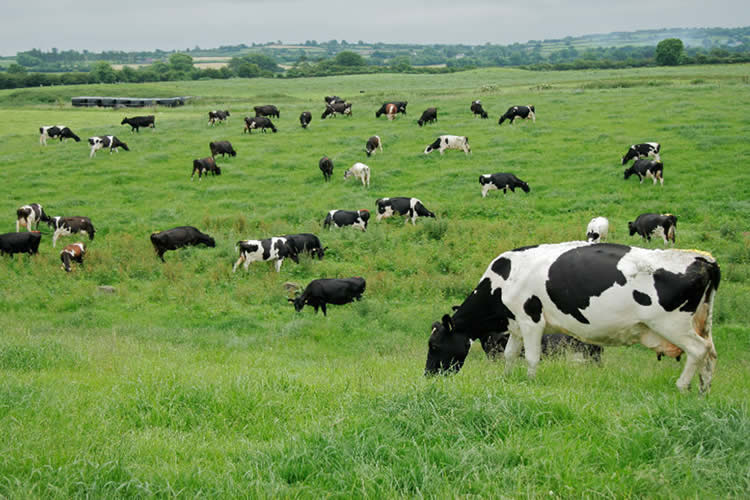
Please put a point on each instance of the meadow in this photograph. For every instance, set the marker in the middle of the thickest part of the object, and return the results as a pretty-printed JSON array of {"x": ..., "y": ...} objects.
[{"x": 193, "y": 381}]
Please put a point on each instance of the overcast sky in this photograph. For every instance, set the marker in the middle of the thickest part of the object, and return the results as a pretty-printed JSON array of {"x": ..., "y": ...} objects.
[{"x": 179, "y": 24}]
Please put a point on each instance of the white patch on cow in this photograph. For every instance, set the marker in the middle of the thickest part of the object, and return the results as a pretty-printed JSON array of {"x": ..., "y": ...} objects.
[{"x": 387, "y": 213}]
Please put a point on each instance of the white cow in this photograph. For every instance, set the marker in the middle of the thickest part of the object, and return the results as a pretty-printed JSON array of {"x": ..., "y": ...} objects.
[
  {"x": 360, "y": 171},
  {"x": 597, "y": 230},
  {"x": 449, "y": 142}
]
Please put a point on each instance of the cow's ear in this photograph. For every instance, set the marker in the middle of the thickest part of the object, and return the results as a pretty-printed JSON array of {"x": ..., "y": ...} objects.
[{"x": 448, "y": 322}]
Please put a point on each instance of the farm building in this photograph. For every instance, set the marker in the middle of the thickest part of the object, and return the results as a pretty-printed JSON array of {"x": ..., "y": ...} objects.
[{"x": 129, "y": 102}]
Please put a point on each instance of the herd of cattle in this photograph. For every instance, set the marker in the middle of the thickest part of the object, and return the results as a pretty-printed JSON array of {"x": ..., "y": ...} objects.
[{"x": 597, "y": 293}]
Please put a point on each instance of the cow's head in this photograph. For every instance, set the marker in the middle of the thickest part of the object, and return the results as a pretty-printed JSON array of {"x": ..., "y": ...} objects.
[
  {"x": 435, "y": 145},
  {"x": 446, "y": 349},
  {"x": 299, "y": 303},
  {"x": 319, "y": 252},
  {"x": 632, "y": 153},
  {"x": 628, "y": 172},
  {"x": 217, "y": 170},
  {"x": 364, "y": 214},
  {"x": 65, "y": 258},
  {"x": 525, "y": 187},
  {"x": 631, "y": 228},
  {"x": 124, "y": 121}
]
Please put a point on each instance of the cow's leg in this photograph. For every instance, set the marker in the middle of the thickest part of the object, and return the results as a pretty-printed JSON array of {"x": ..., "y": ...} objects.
[
  {"x": 239, "y": 261},
  {"x": 323, "y": 308},
  {"x": 18, "y": 224},
  {"x": 532, "y": 342},
  {"x": 683, "y": 335},
  {"x": 277, "y": 264},
  {"x": 160, "y": 254},
  {"x": 512, "y": 350},
  {"x": 55, "y": 235},
  {"x": 533, "y": 117}
]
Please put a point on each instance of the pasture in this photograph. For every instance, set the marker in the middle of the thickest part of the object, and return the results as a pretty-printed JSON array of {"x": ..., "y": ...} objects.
[{"x": 194, "y": 381}]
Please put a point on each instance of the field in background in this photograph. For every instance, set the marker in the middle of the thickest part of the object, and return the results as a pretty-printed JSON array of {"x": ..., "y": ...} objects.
[{"x": 191, "y": 380}]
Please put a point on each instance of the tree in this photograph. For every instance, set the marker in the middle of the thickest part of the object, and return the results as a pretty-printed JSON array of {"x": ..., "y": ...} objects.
[
  {"x": 669, "y": 51},
  {"x": 103, "y": 73},
  {"x": 16, "y": 68},
  {"x": 181, "y": 62},
  {"x": 348, "y": 58}
]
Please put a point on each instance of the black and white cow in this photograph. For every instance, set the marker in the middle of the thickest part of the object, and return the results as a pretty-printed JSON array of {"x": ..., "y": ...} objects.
[
  {"x": 648, "y": 225},
  {"x": 524, "y": 112},
  {"x": 204, "y": 166},
  {"x": 335, "y": 108},
  {"x": 602, "y": 293},
  {"x": 449, "y": 142},
  {"x": 29, "y": 216},
  {"x": 217, "y": 116},
  {"x": 373, "y": 143},
  {"x": 645, "y": 169},
  {"x": 306, "y": 243},
  {"x": 359, "y": 171},
  {"x": 26, "y": 242},
  {"x": 179, "y": 237},
  {"x": 326, "y": 166},
  {"x": 222, "y": 148},
  {"x": 267, "y": 110},
  {"x": 478, "y": 110},
  {"x": 329, "y": 291},
  {"x": 597, "y": 230},
  {"x": 411, "y": 207},
  {"x": 330, "y": 99},
  {"x": 139, "y": 121},
  {"x": 341, "y": 218},
  {"x": 59, "y": 131},
  {"x": 258, "y": 122},
  {"x": 275, "y": 249},
  {"x": 400, "y": 107},
  {"x": 72, "y": 253},
  {"x": 106, "y": 141},
  {"x": 305, "y": 118},
  {"x": 502, "y": 181},
  {"x": 429, "y": 115},
  {"x": 65, "y": 226},
  {"x": 643, "y": 150}
]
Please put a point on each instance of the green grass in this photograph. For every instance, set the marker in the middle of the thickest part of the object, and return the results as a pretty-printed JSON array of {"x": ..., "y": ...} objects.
[{"x": 191, "y": 380}]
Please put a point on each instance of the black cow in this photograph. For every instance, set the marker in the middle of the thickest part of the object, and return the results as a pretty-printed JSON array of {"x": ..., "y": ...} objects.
[
  {"x": 204, "y": 166},
  {"x": 429, "y": 115},
  {"x": 217, "y": 116},
  {"x": 501, "y": 181},
  {"x": 59, "y": 131},
  {"x": 402, "y": 206},
  {"x": 400, "y": 105},
  {"x": 106, "y": 141},
  {"x": 648, "y": 225},
  {"x": 267, "y": 110},
  {"x": 30, "y": 215},
  {"x": 72, "y": 253},
  {"x": 178, "y": 237},
  {"x": 326, "y": 166},
  {"x": 341, "y": 218},
  {"x": 525, "y": 112},
  {"x": 373, "y": 143},
  {"x": 477, "y": 109},
  {"x": 645, "y": 168},
  {"x": 64, "y": 226},
  {"x": 258, "y": 122},
  {"x": 338, "y": 107},
  {"x": 221, "y": 148},
  {"x": 305, "y": 118},
  {"x": 26, "y": 242},
  {"x": 329, "y": 291},
  {"x": 306, "y": 243},
  {"x": 644, "y": 150},
  {"x": 139, "y": 121}
]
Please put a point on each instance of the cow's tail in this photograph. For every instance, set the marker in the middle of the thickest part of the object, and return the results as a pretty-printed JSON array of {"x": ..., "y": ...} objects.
[{"x": 703, "y": 323}]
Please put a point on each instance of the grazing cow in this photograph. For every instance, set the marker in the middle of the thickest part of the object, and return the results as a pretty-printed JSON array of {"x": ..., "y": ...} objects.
[
  {"x": 412, "y": 207},
  {"x": 329, "y": 291},
  {"x": 330, "y": 99},
  {"x": 326, "y": 166},
  {"x": 267, "y": 110},
  {"x": 217, "y": 116},
  {"x": 72, "y": 253},
  {"x": 30, "y": 215},
  {"x": 306, "y": 243},
  {"x": 373, "y": 143},
  {"x": 221, "y": 148},
  {"x": 59, "y": 131},
  {"x": 478, "y": 110},
  {"x": 27, "y": 242},
  {"x": 139, "y": 121},
  {"x": 644, "y": 150},
  {"x": 204, "y": 166},
  {"x": 501, "y": 181},
  {"x": 644, "y": 169},
  {"x": 429, "y": 115},
  {"x": 106, "y": 141},
  {"x": 524, "y": 112},
  {"x": 449, "y": 142},
  {"x": 553, "y": 344},
  {"x": 65, "y": 226},
  {"x": 360, "y": 171},
  {"x": 390, "y": 111},
  {"x": 179, "y": 237},
  {"x": 597, "y": 230},
  {"x": 648, "y": 225},
  {"x": 338, "y": 107},
  {"x": 341, "y": 218},
  {"x": 258, "y": 122},
  {"x": 305, "y": 118},
  {"x": 602, "y": 293},
  {"x": 276, "y": 249},
  {"x": 400, "y": 107}
]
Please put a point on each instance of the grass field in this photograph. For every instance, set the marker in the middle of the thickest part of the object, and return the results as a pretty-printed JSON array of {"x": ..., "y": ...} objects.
[{"x": 193, "y": 381}]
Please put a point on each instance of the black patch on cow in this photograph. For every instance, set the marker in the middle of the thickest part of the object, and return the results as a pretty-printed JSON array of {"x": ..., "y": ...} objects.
[
  {"x": 523, "y": 249},
  {"x": 501, "y": 266},
  {"x": 483, "y": 312},
  {"x": 641, "y": 298},
  {"x": 582, "y": 273},
  {"x": 266, "y": 244},
  {"x": 533, "y": 307},
  {"x": 686, "y": 290}
]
